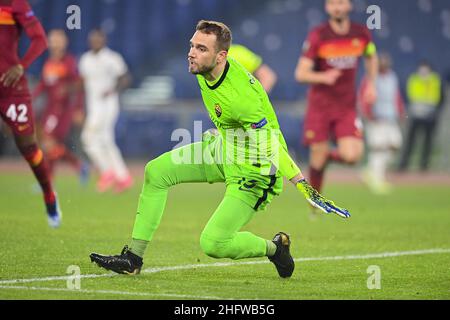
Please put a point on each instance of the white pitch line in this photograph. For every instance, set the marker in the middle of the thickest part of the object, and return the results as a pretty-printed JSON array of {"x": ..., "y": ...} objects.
[
  {"x": 123, "y": 293},
  {"x": 232, "y": 264}
]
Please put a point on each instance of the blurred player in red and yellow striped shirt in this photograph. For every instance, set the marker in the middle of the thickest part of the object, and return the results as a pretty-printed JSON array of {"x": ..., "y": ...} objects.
[
  {"x": 329, "y": 64},
  {"x": 62, "y": 86},
  {"x": 15, "y": 99}
]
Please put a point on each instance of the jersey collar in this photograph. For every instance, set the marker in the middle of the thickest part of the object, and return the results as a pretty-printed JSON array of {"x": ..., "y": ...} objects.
[{"x": 222, "y": 77}]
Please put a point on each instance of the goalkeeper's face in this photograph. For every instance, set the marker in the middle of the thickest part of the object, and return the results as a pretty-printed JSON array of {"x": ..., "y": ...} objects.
[{"x": 203, "y": 55}]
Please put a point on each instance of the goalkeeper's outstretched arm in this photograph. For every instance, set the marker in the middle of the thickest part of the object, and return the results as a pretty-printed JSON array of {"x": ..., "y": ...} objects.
[{"x": 291, "y": 171}]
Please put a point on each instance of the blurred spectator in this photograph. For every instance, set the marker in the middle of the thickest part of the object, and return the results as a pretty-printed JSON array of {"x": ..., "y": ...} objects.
[
  {"x": 60, "y": 83},
  {"x": 383, "y": 132},
  {"x": 105, "y": 74},
  {"x": 425, "y": 100},
  {"x": 254, "y": 64}
]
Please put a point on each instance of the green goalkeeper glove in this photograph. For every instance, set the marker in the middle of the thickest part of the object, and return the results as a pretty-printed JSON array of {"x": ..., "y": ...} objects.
[{"x": 318, "y": 201}]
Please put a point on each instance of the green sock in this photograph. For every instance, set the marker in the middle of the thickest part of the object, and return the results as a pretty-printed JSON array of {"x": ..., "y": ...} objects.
[
  {"x": 271, "y": 248},
  {"x": 138, "y": 247}
]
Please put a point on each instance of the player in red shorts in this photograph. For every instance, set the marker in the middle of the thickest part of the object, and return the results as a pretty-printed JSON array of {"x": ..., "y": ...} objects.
[
  {"x": 15, "y": 100},
  {"x": 329, "y": 63},
  {"x": 62, "y": 86}
]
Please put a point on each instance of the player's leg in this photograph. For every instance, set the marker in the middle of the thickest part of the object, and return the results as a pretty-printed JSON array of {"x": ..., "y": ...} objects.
[
  {"x": 222, "y": 236},
  {"x": 380, "y": 142},
  {"x": 51, "y": 152},
  {"x": 59, "y": 135},
  {"x": 316, "y": 136},
  {"x": 349, "y": 136},
  {"x": 49, "y": 145},
  {"x": 394, "y": 142},
  {"x": 70, "y": 157},
  {"x": 92, "y": 140},
  {"x": 29, "y": 149},
  {"x": 169, "y": 169},
  {"x": 18, "y": 114},
  {"x": 429, "y": 128},
  {"x": 57, "y": 151},
  {"x": 318, "y": 159},
  {"x": 53, "y": 132},
  {"x": 123, "y": 179},
  {"x": 160, "y": 174},
  {"x": 351, "y": 149},
  {"x": 411, "y": 135}
]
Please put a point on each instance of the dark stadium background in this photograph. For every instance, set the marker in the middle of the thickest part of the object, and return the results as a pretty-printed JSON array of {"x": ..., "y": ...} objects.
[{"x": 153, "y": 37}]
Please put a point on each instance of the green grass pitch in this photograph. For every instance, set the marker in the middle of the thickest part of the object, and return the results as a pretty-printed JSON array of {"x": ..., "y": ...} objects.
[{"x": 412, "y": 218}]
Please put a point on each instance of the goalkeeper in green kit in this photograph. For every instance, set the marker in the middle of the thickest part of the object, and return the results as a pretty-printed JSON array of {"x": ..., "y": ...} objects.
[{"x": 247, "y": 152}]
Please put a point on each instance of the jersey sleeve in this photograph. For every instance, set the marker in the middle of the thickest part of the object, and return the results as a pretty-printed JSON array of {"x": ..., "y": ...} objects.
[
  {"x": 286, "y": 165},
  {"x": 118, "y": 65},
  {"x": 25, "y": 17},
  {"x": 311, "y": 45},
  {"x": 23, "y": 13}
]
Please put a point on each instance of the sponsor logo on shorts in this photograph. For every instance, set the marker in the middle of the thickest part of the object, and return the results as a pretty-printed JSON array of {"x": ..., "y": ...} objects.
[{"x": 247, "y": 185}]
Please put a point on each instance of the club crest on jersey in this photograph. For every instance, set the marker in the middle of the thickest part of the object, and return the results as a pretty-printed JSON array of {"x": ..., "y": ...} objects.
[{"x": 218, "y": 110}]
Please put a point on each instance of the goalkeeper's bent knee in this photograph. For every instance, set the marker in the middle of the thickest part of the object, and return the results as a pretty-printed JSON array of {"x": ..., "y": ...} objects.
[
  {"x": 154, "y": 175},
  {"x": 215, "y": 248}
]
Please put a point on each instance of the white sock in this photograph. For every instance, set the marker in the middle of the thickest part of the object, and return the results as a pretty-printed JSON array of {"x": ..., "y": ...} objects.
[{"x": 378, "y": 163}]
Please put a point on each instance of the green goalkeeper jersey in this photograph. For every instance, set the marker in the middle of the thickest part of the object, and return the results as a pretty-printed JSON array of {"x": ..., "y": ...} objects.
[{"x": 242, "y": 112}]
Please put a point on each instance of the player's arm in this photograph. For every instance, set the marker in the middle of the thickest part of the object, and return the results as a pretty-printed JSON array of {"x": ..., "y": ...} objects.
[
  {"x": 289, "y": 169},
  {"x": 371, "y": 65},
  {"x": 123, "y": 82},
  {"x": 25, "y": 18},
  {"x": 120, "y": 70},
  {"x": 266, "y": 76},
  {"x": 365, "y": 108},
  {"x": 305, "y": 73}
]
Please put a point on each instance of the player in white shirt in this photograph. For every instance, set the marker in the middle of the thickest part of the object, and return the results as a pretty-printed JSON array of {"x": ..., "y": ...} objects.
[{"x": 105, "y": 74}]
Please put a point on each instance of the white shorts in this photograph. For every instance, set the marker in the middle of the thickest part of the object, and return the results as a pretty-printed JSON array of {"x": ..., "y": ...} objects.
[{"x": 383, "y": 135}]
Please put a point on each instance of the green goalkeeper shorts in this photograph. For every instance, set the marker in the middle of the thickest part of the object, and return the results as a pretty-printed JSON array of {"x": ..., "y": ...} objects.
[{"x": 243, "y": 182}]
